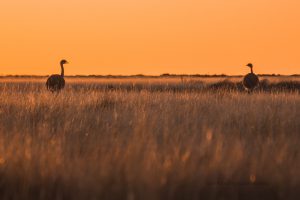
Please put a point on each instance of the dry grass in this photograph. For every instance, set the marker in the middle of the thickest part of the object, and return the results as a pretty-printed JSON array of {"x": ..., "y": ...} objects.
[{"x": 93, "y": 141}]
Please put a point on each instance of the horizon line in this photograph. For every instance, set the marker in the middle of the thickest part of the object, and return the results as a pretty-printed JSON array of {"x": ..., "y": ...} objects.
[{"x": 142, "y": 75}]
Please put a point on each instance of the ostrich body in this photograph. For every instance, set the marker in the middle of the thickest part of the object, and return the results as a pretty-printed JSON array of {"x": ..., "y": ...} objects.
[
  {"x": 250, "y": 80},
  {"x": 56, "y": 82}
]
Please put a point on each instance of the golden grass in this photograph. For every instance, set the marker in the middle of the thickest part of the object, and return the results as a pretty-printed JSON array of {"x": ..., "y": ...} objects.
[{"x": 87, "y": 143}]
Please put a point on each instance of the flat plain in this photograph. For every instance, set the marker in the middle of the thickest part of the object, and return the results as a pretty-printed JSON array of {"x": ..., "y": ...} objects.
[{"x": 150, "y": 138}]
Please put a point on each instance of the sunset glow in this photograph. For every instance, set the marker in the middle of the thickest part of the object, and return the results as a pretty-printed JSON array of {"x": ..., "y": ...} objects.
[{"x": 149, "y": 36}]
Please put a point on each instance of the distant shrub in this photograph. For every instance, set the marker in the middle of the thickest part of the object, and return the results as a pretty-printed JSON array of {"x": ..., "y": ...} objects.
[
  {"x": 223, "y": 85},
  {"x": 286, "y": 86}
]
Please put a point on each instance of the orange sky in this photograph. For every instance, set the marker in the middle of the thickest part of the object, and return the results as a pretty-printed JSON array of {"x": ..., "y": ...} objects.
[{"x": 149, "y": 36}]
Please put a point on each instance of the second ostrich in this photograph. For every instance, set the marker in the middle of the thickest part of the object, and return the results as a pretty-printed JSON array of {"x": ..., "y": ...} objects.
[
  {"x": 56, "y": 82},
  {"x": 251, "y": 80}
]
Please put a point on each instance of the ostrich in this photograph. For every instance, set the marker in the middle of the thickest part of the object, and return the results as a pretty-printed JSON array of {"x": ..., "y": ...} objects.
[
  {"x": 250, "y": 80},
  {"x": 56, "y": 82}
]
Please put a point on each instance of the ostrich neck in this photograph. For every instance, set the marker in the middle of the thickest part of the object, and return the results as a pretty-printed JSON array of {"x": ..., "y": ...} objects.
[
  {"x": 62, "y": 70},
  {"x": 251, "y": 70}
]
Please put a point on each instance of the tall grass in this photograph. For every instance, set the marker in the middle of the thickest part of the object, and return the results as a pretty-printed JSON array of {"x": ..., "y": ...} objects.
[{"x": 89, "y": 143}]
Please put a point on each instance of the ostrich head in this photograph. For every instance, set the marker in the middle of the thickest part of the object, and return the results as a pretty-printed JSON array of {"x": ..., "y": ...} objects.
[
  {"x": 62, "y": 62},
  {"x": 249, "y": 65}
]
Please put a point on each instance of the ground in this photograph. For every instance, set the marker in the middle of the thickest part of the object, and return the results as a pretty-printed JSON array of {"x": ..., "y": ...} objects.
[{"x": 149, "y": 138}]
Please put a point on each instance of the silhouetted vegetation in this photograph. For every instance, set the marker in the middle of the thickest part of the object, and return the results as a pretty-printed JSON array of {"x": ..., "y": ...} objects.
[
  {"x": 193, "y": 86},
  {"x": 182, "y": 85}
]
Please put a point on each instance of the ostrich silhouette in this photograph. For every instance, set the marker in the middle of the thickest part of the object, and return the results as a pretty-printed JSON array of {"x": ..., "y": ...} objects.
[
  {"x": 251, "y": 80},
  {"x": 56, "y": 82}
]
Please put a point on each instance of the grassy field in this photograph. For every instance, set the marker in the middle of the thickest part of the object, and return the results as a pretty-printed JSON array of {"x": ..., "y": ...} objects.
[{"x": 150, "y": 139}]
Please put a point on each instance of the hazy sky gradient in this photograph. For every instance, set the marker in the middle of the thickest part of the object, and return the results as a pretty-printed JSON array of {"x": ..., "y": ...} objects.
[{"x": 149, "y": 36}]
